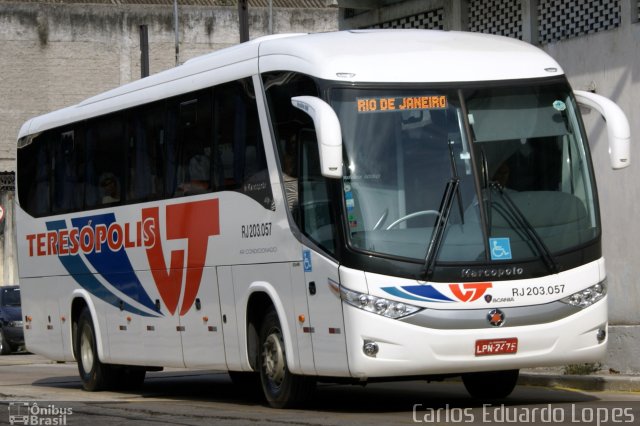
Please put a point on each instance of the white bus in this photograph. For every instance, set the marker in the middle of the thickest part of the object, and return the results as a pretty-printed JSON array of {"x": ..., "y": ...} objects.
[{"x": 346, "y": 207}]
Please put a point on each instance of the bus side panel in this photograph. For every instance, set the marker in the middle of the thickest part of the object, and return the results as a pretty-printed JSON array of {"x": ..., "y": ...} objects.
[
  {"x": 201, "y": 327},
  {"x": 43, "y": 332},
  {"x": 325, "y": 308},
  {"x": 124, "y": 331},
  {"x": 304, "y": 336},
  {"x": 151, "y": 340},
  {"x": 229, "y": 312}
]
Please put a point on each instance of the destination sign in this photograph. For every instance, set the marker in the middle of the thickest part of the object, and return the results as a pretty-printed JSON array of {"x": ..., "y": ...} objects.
[{"x": 400, "y": 103}]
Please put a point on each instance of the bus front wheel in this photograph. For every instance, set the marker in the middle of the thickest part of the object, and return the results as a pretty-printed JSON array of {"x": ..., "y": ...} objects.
[
  {"x": 93, "y": 373},
  {"x": 281, "y": 388},
  {"x": 491, "y": 384}
]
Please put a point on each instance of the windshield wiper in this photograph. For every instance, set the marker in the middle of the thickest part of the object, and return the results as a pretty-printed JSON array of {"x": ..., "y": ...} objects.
[
  {"x": 450, "y": 191},
  {"x": 454, "y": 171},
  {"x": 524, "y": 224}
]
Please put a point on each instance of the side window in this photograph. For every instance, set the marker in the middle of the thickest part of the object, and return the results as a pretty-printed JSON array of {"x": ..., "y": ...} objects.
[
  {"x": 287, "y": 120},
  {"x": 190, "y": 145},
  {"x": 315, "y": 216},
  {"x": 305, "y": 189},
  {"x": 67, "y": 171},
  {"x": 51, "y": 173},
  {"x": 146, "y": 153},
  {"x": 105, "y": 168},
  {"x": 240, "y": 162},
  {"x": 34, "y": 174}
]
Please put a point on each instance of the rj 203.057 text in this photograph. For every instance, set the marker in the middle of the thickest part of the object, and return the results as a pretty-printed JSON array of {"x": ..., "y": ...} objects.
[
  {"x": 256, "y": 230},
  {"x": 538, "y": 290}
]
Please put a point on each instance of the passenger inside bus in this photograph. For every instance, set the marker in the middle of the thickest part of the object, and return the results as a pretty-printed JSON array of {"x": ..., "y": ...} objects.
[
  {"x": 109, "y": 188},
  {"x": 199, "y": 170}
]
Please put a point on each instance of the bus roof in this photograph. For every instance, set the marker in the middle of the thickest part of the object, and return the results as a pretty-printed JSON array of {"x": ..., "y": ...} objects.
[
  {"x": 393, "y": 56},
  {"x": 408, "y": 56}
]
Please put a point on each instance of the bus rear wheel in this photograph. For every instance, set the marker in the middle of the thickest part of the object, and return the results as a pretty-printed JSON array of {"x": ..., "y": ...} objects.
[
  {"x": 281, "y": 388},
  {"x": 94, "y": 374},
  {"x": 491, "y": 384}
]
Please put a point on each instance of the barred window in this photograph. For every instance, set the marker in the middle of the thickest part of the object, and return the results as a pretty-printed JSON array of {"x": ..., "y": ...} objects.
[
  {"x": 564, "y": 19},
  {"x": 430, "y": 20},
  {"x": 496, "y": 17}
]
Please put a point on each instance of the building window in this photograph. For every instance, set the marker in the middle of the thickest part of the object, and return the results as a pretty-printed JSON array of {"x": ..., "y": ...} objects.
[
  {"x": 496, "y": 17},
  {"x": 564, "y": 19},
  {"x": 431, "y": 20},
  {"x": 7, "y": 181}
]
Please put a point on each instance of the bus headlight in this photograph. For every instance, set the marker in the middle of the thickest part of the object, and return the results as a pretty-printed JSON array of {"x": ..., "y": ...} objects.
[
  {"x": 588, "y": 296},
  {"x": 377, "y": 305}
]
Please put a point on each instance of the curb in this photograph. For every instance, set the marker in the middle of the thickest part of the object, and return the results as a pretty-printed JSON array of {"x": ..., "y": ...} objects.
[{"x": 586, "y": 383}]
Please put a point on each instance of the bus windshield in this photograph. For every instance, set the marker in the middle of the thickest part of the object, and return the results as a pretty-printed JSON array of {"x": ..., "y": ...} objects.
[{"x": 515, "y": 154}]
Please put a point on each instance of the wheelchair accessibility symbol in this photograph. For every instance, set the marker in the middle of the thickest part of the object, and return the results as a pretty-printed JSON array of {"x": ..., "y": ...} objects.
[
  {"x": 500, "y": 248},
  {"x": 306, "y": 260}
]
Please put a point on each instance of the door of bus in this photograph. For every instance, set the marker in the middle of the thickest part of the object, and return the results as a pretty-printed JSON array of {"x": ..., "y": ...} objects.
[
  {"x": 326, "y": 323},
  {"x": 321, "y": 273}
]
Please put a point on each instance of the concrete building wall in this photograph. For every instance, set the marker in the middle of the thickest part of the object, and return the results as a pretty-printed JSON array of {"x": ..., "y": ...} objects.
[{"x": 597, "y": 44}]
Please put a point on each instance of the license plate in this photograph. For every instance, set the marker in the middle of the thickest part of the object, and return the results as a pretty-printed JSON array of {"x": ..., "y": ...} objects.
[{"x": 497, "y": 346}]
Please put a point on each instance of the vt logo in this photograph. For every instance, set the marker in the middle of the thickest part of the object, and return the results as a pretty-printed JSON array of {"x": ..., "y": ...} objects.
[
  {"x": 195, "y": 222},
  {"x": 469, "y": 292}
]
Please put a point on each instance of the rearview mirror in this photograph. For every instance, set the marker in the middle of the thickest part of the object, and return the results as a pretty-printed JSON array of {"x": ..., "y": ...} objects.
[
  {"x": 328, "y": 133},
  {"x": 618, "y": 130}
]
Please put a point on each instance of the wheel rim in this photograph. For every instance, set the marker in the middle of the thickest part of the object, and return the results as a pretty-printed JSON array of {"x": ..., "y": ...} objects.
[
  {"x": 273, "y": 358},
  {"x": 86, "y": 350},
  {"x": 1, "y": 341}
]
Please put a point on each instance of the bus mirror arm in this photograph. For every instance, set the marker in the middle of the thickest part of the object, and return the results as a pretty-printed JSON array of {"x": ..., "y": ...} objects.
[
  {"x": 328, "y": 133},
  {"x": 618, "y": 130}
]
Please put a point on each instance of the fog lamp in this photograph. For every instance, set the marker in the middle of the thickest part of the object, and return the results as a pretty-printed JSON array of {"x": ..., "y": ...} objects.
[{"x": 370, "y": 348}]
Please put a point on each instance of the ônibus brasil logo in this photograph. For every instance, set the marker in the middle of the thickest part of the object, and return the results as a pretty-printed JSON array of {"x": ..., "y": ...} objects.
[{"x": 103, "y": 242}]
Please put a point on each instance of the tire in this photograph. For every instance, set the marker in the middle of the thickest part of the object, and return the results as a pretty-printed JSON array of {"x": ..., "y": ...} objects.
[
  {"x": 281, "y": 388},
  {"x": 5, "y": 347},
  {"x": 491, "y": 384},
  {"x": 94, "y": 374}
]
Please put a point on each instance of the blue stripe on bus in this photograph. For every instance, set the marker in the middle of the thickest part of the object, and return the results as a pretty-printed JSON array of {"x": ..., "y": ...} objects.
[
  {"x": 76, "y": 267},
  {"x": 418, "y": 292},
  {"x": 114, "y": 266}
]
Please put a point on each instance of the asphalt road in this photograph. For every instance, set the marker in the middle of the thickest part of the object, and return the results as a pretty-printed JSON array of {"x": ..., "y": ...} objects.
[{"x": 35, "y": 390}]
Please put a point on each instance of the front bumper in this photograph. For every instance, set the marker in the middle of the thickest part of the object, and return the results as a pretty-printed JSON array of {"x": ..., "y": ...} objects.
[{"x": 407, "y": 349}]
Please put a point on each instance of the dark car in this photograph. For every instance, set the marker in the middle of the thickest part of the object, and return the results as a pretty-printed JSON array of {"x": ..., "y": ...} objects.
[{"x": 11, "y": 332}]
